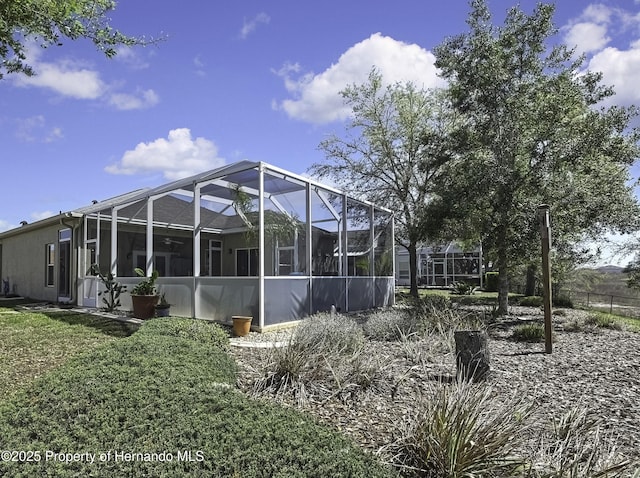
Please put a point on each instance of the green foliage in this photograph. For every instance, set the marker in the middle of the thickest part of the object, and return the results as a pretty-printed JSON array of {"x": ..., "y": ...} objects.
[
  {"x": 462, "y": 288},
  {"x": 392, "y": 153},
  {"x": 146, "y": 286},
  {"x": 35, "y": 342},
  {"x": 462, "y": 431},
  {"x": 48, "y": 22},
  {"x": 434, "y": 302},
  {"x": 152, "y": 393},
  {"x": 603, "y": 320},
  {"x": 194, "y": 329},
  {"x": 562, "y": 301},
  {"x": 528, "y": 333},
  {"x": 491, "y": 281},
  {"x": 113, "y": 289},
  {"x": 531, "y": 301},
  {"x": 532, "y": 135},
  {"x": 633, "y": 273}
]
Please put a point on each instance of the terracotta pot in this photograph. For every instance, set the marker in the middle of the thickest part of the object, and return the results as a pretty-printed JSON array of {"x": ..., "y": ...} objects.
[
  {"x": 144, "y": 306},
  {"x": 241, "y": 325}
]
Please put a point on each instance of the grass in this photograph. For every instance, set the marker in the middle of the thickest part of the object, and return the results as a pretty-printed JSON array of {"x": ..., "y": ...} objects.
[
  {"x": 34, "y": 342},
  {"x": 529, "y": 333},
  {"x": 477, "y": 298},
  {"x": 163, "y": 390}
]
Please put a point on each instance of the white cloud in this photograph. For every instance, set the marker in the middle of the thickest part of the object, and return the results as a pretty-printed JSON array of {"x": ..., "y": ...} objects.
[
  {"x": 140, "y": 100},
  {"x": 177, "y": 156},
  {"x": 587, "y": 37},
  {"x": 131, "y": 57},
  {"x": 6, "y": 225},
  {"x": 72, "y": 79},
  {"x": 35, "y": 129},
  {"x": 317, "y": 98},
  {"x": 65, "y": 78},
  {"x": 249, "y": 26},
  {"x": 595, "y": 32},
  {"x": 620, "y": 69},
  {"x": 200, "y": 66},
  {"x": 37, "y": 216}
]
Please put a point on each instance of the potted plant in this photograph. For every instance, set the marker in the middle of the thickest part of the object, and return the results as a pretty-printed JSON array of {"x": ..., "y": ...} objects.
[
  {"x": 113, "y": 289},
  {"x": 162, "y": 307},
  {"x": 143, "y": 295},
  {"x": 241, "y": 325}
]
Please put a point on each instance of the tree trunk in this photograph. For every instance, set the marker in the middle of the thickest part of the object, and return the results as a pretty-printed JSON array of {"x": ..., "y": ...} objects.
[
  {"x": 413, "y": 269},
  {"x": 530, "y": 287},
  {"x": 503, "y": 281}
]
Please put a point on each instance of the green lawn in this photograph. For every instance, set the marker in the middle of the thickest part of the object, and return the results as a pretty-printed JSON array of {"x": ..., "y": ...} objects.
[
  {"x": 161, "y": 402},
  {"x": 34, "y": 342}
]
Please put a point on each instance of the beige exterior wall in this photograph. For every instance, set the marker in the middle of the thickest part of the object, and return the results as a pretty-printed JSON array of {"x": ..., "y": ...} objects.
[{"x": 23, "y": 262}]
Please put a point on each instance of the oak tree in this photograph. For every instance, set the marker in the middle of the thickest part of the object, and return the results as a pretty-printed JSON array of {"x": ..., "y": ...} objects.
[{"x": 534, "y": 131}]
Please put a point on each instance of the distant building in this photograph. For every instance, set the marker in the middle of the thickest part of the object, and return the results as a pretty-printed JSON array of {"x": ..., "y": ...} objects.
[{"x": 441, "y": 265}]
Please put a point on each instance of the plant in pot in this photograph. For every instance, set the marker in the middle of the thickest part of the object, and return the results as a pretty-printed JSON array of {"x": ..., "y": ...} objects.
[
  {"x": 162, "y": 307},
  {"x": 112, "y": 289},
  {"x": 143, "y": 295}
]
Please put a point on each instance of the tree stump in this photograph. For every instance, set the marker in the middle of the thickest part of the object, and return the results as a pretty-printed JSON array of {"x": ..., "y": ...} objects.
[{"x": 472, "y": 355}]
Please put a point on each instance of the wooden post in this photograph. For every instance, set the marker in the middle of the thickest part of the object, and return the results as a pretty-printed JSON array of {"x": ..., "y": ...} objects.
[
  {"x": 472, "y": 355},
  {"x": 545, "y": 234}
]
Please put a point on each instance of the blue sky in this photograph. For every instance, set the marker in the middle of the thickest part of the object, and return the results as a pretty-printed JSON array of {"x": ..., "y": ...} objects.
[{"x": 238, "y": 80}]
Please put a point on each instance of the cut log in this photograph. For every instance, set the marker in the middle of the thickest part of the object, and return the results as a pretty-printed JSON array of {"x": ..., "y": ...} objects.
[{"x": 472, "y": 355}]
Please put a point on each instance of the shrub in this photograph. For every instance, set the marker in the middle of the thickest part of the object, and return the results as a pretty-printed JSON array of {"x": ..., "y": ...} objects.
[
  {"x": 193, "y": 329},
  {"x": 325, "y": 356},
  {"x": 391, "y": 325},
  {"x": 529, "y": 333},
  {"x": 434, "y": 302},
  {"x": 153, "y": 393},
  {"x": 337, "y": 333},
  {"x": 462, "y": 288},
  {"x": 491, "y": 281},
  {"x": 462, "y": 431},
  {"x": 531, "y": 301},
  {"x": 576, "y": 447},
  {"x": 562, "y": 301},
  {"x": 602, "y": 320}
]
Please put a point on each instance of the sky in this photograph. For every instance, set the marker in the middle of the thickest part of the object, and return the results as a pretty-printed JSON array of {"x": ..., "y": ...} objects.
[{"x": 229, "y": 81}]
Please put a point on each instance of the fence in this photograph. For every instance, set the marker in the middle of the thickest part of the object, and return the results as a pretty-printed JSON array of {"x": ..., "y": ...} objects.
[{"x": 614, "y": 304}]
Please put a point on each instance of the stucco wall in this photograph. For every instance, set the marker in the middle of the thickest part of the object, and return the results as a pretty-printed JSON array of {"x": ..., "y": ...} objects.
[{"x": 23, "y": 257}]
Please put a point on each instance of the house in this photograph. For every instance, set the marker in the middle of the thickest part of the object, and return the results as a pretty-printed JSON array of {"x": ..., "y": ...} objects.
[
  {"x": 244, "y": 239},
  {"x": 441, "y": 265}
]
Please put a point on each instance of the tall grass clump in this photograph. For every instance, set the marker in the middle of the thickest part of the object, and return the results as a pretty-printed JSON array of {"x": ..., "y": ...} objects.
[
  {"x": 603, "y": 321},
  {"x": 324, "y": 357},
  {"x": 528, "y": 333},
  {"x": 462, "y": 431},
  {"x": 391, "y": 325},
  {"x": 574, "y": 446}
]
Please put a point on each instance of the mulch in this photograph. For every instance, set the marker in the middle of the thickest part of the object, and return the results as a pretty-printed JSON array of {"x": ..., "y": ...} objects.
[{"x": 596, "y": 370}]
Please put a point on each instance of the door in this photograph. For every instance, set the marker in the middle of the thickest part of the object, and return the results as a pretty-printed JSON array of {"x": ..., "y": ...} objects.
[
  {"x": 64, "y": 265},
  {"x": 90, "y": 282}
]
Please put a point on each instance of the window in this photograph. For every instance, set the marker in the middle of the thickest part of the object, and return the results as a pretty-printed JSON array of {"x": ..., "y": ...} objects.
[
  {"x": 247, "y": 262},
  {"x": 213, "y": 259},
  {"x": 285, "y": 261},
  {"x": 50, "y": 265}
]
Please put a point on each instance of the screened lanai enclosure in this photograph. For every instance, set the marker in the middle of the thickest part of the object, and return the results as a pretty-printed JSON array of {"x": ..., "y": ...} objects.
[{"x": 244, "y": 239}]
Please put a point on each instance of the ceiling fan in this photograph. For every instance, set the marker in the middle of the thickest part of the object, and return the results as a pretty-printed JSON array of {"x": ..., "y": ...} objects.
[{"x": 167, "y": 241}]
